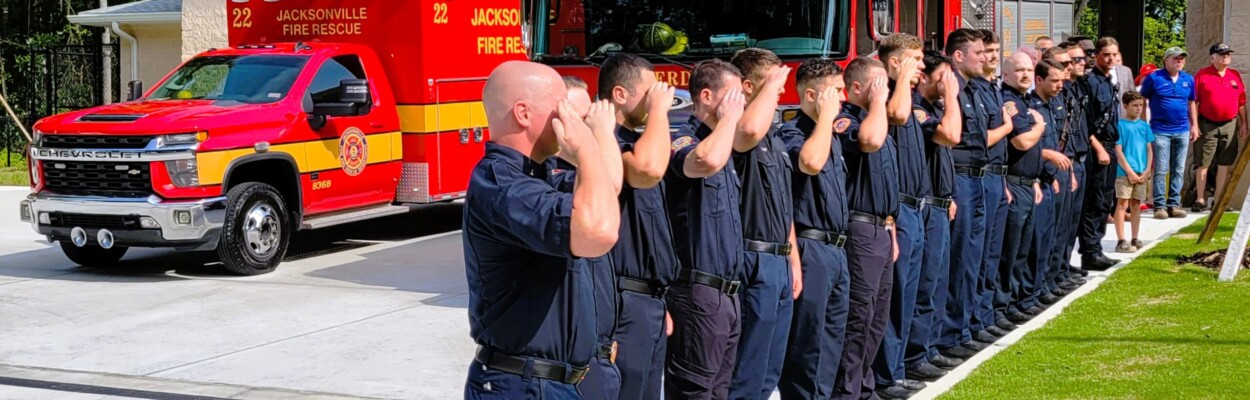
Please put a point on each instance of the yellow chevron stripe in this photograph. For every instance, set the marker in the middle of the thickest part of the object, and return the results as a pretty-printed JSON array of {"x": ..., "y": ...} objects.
[
  {"x": 311, "y": 156},
  {"x": 442, "y": 117}
]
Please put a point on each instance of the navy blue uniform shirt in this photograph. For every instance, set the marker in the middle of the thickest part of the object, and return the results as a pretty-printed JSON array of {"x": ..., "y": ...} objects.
[
  {"x": 767, "y": 209},
  {"x": 1077, "y": 143},
  {"x": 1103, "y": 111},
  {"x": 992, "y": 106},
  {"x": 819, "y": 200},
  {"x": 1021, "y": 163},
  {"x": 525, "y": 297},
  {"x": 644, "y": 249},
  {"x": 971, "y": 150},
  {"x": 872, "y": 178},
  {"x": 912, "y": 180},
  {"x": 1049, "y": 109},
  {"x": 707, "y": 229},
  {"x": 941, "y": 164},
  {"x": 563, "y": 176}
]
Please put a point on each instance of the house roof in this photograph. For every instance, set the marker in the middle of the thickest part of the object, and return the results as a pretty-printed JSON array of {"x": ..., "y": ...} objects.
[{"x": 139, "y": 12}]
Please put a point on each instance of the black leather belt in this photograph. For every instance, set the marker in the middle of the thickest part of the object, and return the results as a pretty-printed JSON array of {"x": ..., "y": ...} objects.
[
  {"x": 976, "y": 172},
  {"x": 607, "y": 352},
  {"x": 914, "y": 202},
  {"x": 641, "y": 286},
  {"x": 830, "y": 238},
  {"x": 781, "y": 249},
  {"x": 996, "y": 169},
  {"x": 938, "y": 202},
  {"x": 726, "y": 286},
  {"x": 545, "y": 369},
  {"x": 871, "y": 219},
  {"x": 1019, "y": 180}
]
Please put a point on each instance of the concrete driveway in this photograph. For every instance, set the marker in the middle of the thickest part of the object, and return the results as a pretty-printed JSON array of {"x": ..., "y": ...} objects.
[{"x": 370, "y": 310}]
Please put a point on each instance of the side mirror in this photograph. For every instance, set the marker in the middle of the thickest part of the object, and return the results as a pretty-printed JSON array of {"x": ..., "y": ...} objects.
[
  {"x": 353, "y": 100},
  {"x": 136, "y": 90}
]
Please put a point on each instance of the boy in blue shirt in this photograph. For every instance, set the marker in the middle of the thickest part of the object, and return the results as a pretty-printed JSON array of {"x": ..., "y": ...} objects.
[{"x": 1136, "y": 157}]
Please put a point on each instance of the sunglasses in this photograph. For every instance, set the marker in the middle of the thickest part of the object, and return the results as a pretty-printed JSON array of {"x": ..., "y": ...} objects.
[
  {"x": 1066, "y": 63},
  {"x": 1080, "y": 60}
]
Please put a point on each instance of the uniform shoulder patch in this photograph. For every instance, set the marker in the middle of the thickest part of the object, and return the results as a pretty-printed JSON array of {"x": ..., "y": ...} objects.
[
  {"x": 921, "y": 116},
  {"x": 682, "y": 142},
  {"x": 841, "y": 124},
  {"x": 1011, "y": 108}
]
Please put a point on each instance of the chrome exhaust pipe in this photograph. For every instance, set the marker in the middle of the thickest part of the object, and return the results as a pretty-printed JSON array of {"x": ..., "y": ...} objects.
[
  {"x": 78, "y": 236},
  {"x": 105, "y": 238}
]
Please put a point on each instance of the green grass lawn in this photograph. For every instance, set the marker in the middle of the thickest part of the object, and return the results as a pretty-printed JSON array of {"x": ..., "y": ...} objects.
[
  {"x": 16, "y": 175},
  {"x": 1154, "y": 330}
]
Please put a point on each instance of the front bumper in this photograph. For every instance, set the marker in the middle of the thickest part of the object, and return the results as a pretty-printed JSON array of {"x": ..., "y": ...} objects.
[{"x": 55, "y": 216}]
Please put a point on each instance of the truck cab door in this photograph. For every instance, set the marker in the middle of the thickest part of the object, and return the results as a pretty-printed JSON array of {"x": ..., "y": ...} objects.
[{"x": 341, "y": 176}]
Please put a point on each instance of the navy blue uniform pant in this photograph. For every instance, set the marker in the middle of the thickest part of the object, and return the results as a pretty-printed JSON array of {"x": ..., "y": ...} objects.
[
  {"x": 889, "y": 363},
  {"x": 1043, "y": 243},
  {"x": 489, "y": 384},
  {"x": 603, "y": 382},
  {"x": 931, "y": 292},
  {"x": 818, "y": 329},
  {"x": 869, "y": 252},
  {"x": 767, "y": 307},
  {"x": 1016, "y": 281},
  {"x": 1099, "y": 201},
  {"x": 996, "y": 221},
  {"x": 704, "y": 344},
  {"x": 641, "y": 343},
  {"x": 1072, "y": 228},
  {"x": 1058, "y": 264},
  {"x": 967, "y": 247}
]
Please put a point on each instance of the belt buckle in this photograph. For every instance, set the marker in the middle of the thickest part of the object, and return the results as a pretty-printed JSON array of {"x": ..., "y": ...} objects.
[
  {"x": 840, "y": 240},
  {"x": 731, "y": 287}
]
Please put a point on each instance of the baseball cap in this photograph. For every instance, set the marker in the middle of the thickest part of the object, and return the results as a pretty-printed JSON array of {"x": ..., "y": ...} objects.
[
  {"x": 1221, "y": 48},
  {"x": 1175, "y": 52}
]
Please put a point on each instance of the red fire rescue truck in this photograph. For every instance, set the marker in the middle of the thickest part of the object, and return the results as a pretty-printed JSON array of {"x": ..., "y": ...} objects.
[{"x": 325, "y": 112}]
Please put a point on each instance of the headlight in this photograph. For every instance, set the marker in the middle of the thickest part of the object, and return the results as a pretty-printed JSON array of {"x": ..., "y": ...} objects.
[
  {"x": 36, "y": 138},
  {"x": 182, "y": 139},
  {"x": 183, "y": 173}
]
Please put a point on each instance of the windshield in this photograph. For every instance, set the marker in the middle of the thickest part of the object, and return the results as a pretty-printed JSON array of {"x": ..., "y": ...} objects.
[
  {"x": 246, "y": 79},
  {"x": 694, "y": 28}
]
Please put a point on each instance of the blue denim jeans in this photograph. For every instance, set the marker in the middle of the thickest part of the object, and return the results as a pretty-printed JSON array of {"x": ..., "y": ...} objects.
[{"x": 1170, "y": 150}]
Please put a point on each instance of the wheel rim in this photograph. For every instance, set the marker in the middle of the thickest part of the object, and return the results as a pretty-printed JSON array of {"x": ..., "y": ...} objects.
[{"x": 261, "y": 230}]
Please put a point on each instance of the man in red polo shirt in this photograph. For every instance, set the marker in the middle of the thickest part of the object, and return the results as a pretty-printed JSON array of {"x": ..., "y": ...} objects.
[{"x": 1221, "y": 112}]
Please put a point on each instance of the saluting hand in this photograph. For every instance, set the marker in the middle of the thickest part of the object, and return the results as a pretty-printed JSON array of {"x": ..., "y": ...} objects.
[
  {"x": 950, "y": 85},
  {"x": 828, "y": 104},
  {"x": 602, "y": 119},
  {"x": 572, "y": 134},
  {"x": 775, "y": 83},
  {"x": 878, "y": 91},
  {"x": 907, "y": 70},
  {"x": 731, "y": 107},
  {"x": 660, "y": 98}
]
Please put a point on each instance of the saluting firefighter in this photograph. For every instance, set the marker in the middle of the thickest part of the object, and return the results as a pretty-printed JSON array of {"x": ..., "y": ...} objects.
[
  {"x": 529, "y": 311},
  {"x": 903, "y": 56},
  {"x": 872, "y": 197},
  {"x": 703, "y": 196},
  {"x": 644, "y": 257},
  {"x": 818, "y": 330},
  {"x": 937, "y": 110},
  {"x": 771, "y": 273}
]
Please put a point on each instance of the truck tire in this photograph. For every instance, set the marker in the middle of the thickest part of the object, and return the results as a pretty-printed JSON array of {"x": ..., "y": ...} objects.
[
  {"x": 92, "y": 255},
  {"x": 256, "y": 232}
]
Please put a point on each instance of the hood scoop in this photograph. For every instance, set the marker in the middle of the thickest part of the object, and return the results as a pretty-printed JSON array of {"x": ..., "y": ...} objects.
[{"x": 110, "y": 117}]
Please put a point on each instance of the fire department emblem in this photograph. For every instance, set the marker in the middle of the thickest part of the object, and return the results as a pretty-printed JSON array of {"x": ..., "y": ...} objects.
[
  {"x": 353, "y": 151},
  {"x": 841, "y": 124},
  {"x": 921, "y": 116}
]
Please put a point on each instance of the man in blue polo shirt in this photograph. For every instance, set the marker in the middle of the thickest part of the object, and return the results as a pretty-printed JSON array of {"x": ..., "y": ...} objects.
[{"x": 1171, "y": 94}]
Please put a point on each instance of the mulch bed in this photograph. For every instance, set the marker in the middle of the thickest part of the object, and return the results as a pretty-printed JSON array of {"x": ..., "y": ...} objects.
[{"x": 1210, "y": 259}]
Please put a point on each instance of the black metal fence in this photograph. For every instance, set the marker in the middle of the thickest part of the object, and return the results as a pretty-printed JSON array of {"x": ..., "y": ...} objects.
[{"x": 46, "y": 81}]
